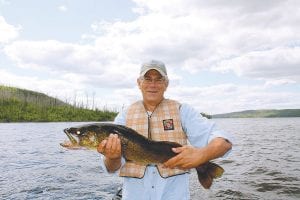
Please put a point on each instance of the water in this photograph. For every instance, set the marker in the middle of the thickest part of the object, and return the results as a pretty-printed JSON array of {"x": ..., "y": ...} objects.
[{"x": 265, "y": 163}]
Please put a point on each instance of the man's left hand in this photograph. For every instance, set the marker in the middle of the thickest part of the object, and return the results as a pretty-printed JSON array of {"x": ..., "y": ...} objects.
[{"x": 188, "y": 157}]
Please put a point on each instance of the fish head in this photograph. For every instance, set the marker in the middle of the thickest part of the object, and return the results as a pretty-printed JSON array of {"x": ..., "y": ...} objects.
[{"x": 83, "y": 136}]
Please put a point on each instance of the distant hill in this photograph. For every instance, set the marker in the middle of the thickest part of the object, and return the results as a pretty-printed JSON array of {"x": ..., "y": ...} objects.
[
  {"x": 28, "y": 96},
  {"x": 260, "y": 113},
  {"x": 20, "y": 105}
]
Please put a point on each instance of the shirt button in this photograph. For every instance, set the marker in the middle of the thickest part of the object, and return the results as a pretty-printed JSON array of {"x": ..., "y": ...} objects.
[{"x": 152, "y": 186}]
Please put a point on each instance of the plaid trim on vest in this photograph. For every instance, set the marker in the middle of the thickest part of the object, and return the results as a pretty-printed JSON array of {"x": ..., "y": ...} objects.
[{"x": 165, "y": 125}]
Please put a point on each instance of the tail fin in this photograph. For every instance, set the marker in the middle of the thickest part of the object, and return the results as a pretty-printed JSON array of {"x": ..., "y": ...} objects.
[{"x": 207, "y": 172}]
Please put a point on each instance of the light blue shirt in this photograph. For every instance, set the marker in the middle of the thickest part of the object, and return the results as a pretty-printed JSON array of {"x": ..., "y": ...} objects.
[{"x": 200, "y": 131}]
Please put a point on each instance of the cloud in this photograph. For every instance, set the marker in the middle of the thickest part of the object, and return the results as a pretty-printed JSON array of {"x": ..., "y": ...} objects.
[
  {"x": 62, "y": 8},
  {"x": 228, "y": 97},
  {"x": 8, "y": 32},
  {"x": 53, "y": 55},
  {"x": 64, "y": 58},
  {"x": 276, "y": 64},
  {"x": 52, "y": 86},
  {"x": 221, "y": 98},
  {"x": 279, "y": 82}
]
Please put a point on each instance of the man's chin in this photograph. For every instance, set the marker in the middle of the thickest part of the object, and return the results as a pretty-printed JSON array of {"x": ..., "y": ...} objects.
[{"x": 153, "y": 98}]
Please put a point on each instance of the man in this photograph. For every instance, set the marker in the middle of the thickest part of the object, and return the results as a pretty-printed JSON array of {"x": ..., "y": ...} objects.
[{"x": 163, "y": 119}]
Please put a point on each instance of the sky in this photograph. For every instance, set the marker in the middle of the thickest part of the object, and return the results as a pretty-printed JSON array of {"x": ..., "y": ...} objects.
[{"x": 221, "y": 55}]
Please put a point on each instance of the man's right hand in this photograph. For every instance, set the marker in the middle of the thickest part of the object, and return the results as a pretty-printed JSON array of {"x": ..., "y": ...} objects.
[{"x": 111, "y": 149}]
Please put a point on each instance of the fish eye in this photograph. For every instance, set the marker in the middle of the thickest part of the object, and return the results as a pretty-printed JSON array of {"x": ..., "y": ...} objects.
[{"x": 78, "y": 132}]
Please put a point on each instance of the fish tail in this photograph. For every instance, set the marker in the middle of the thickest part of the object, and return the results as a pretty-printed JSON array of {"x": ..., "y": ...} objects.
[{"x": 207, "y": 172}]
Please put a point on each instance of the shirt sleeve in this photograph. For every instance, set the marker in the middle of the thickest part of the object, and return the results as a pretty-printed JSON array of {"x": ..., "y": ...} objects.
[
  {"x": 121, "y": 117},
  {"x": 199, "y": 130}
]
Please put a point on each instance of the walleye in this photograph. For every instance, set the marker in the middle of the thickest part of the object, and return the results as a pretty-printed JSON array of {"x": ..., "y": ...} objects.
[{"x": 135, "y": 147}]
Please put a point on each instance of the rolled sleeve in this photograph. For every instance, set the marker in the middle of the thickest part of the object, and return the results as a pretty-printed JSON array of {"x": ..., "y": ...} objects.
[
  {"x": 219, "y": 133},
  {"x": 199, "y": 130},
  {"x": 103, "y": 167}
]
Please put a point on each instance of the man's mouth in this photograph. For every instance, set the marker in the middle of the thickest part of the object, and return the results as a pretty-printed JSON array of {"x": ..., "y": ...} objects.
[{"x": 153, "y": 92}]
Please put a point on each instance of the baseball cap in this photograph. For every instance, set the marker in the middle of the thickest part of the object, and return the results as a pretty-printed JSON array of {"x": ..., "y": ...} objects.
[{"x": 154, "y": 64}]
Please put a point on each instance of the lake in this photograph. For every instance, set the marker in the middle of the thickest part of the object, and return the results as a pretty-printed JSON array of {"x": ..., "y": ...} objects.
[{"x": 265, "y": 163}]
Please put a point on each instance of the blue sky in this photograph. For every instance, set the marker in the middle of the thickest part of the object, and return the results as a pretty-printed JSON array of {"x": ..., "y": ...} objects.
[{"x": 221, "y": 56}]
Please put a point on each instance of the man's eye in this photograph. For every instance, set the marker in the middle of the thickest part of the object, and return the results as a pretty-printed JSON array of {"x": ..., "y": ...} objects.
[{"x": 155, "y": 80}]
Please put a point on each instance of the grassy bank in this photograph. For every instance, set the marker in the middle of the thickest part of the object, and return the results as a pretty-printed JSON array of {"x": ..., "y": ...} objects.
[{"x": 19, "y": 105}]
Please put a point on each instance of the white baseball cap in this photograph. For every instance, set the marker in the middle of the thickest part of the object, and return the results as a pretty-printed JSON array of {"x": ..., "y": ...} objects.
[{"x": 154, "y": 64}]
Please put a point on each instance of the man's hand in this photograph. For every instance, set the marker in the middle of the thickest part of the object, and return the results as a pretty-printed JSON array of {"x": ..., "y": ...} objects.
[
  {"x": 111, "y": 149},
  {"x": 188, "y": 157}
]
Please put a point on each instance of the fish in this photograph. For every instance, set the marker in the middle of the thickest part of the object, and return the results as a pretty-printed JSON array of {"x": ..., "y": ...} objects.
[{"x": 134, "y": 147}]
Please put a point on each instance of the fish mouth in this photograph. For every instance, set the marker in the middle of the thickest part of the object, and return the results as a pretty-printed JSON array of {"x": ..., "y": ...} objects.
[
  {"x": 74, "y": 142},
  {"x": 71, "y": 138}
]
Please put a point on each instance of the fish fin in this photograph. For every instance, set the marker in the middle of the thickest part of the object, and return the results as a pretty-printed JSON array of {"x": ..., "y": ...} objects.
[{"x": 207, "y": 172}]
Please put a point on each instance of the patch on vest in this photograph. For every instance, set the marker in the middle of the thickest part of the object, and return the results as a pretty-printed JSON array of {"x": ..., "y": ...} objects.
[{"x": 168, "y": 124}]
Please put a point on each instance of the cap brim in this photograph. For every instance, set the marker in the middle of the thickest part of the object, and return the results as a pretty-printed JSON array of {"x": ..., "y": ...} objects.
[{"x": 148, "y": 69}]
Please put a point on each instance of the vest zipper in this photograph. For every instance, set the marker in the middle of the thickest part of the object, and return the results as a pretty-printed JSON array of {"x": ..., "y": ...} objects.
[
  {"x": 149, "y": 125},
  {"x": 149, "y": 117}
]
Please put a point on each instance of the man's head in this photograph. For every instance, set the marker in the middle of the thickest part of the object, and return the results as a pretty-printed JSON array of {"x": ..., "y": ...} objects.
[{"x": 153, "y": 81}]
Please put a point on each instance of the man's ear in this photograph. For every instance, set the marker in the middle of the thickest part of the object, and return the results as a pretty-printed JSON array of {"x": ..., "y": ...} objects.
[
  {"x": 139, "y": 82},
  {"x": 167, "y": 83}
]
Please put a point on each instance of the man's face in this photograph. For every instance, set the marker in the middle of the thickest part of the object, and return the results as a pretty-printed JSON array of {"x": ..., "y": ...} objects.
[{"x": 153, "y": 87}]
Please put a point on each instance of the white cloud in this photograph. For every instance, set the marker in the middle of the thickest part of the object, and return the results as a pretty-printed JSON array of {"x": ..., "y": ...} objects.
[
  {"x": 91, "y": 63},
  {"x": 8, "y": 32},
  {"x": 227, "y": 98},
  {"x": 49, "y": 54},
  {"x": 63, "y": 89},
  {"x": 279, "y": 82},
  {"x": 221, "y": 98},
  {"x": 62, "y": 8},
  {"x": 279, "y": 63}
]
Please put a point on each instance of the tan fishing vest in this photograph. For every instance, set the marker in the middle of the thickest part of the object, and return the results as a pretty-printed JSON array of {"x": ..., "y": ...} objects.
[{"x": 164, "y": 125}]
